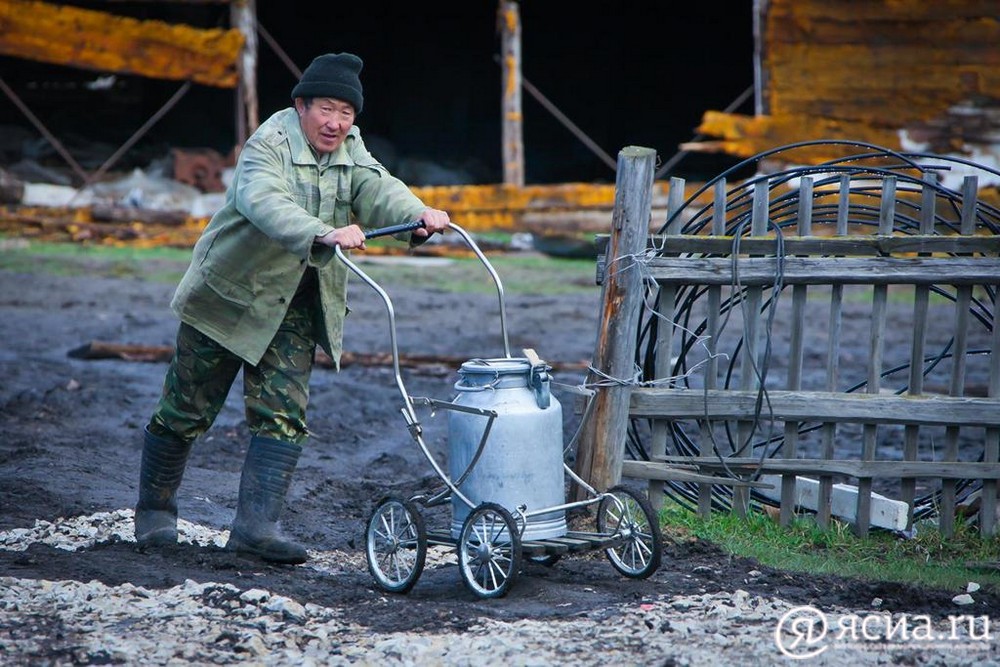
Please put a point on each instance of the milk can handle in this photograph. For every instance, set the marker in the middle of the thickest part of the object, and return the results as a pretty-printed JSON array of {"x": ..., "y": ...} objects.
[
  {"x": 461, "y": 386},
  {"x": 538, "y": 378}
]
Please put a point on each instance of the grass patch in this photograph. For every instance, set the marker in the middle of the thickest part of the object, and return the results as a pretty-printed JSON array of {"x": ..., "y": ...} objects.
[
  {"x": 73, "y": 259},
  {"x": 521, "y": 274},
  {"x": 928, "y": 559}
]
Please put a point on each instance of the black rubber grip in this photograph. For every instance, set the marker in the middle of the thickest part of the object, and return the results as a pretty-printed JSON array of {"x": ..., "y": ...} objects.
[{"x": 394, "y": 229}]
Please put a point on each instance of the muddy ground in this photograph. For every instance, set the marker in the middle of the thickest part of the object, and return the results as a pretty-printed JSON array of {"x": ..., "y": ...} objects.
[{"x": 70, "y": 437}]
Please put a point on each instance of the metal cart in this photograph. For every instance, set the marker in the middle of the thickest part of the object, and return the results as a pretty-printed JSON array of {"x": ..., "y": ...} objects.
[{"x": 491, "y": 534}]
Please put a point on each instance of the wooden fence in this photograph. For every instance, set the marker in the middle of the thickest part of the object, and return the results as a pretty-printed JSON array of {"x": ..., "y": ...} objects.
[{"x": 733, "y": 387}]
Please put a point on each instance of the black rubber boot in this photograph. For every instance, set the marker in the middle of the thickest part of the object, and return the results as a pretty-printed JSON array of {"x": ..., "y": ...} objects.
[
  {"x": 160, "y": 473},
  {"x": 267, "y": 474}
]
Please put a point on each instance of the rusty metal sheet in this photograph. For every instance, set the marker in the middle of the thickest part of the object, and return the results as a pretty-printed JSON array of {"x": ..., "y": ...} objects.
[{"x": 94, "y": 40}]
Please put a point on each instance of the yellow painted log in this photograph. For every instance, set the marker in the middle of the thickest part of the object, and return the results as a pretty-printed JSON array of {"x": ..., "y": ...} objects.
[
  {"x": 888, "y": 86},
  {"x": 887, "y": 63},
  {"x": 74, "y": 37},
  {"x": 869, "y": 70},
  {"x": 746, "y": 136},
  {"x": 507, "y": 207}
]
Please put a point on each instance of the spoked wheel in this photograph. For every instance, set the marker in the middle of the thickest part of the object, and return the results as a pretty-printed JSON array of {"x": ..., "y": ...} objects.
[
  {"x": 628, "y": 515},
  {"x": 489, "y": 551},
  {"x": 396, "y": 545}
]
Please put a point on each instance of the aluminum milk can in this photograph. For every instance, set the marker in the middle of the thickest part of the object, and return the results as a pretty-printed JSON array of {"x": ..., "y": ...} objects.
[{"x": 522, "y": 460}]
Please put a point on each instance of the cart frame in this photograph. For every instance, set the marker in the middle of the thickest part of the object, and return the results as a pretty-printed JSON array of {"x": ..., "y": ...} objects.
[{"x": 490, "y": 546}]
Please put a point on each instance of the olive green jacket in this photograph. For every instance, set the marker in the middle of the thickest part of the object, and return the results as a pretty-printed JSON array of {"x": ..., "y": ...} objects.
[{"x": 248, "y": 262}]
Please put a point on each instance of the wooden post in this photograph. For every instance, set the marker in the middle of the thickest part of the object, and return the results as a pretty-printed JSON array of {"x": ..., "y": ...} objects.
[
  {"x": 509, "y": 25},
  {"x": 243, "y": 14},
  {"x": 602, "y": 441}
]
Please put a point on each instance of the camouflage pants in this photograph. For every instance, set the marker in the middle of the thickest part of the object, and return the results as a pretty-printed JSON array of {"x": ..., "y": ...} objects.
[{"x": 275, "y": 391}]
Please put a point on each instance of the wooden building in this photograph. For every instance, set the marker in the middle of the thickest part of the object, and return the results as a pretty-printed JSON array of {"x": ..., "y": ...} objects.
[{"x": 908, "y": 75}]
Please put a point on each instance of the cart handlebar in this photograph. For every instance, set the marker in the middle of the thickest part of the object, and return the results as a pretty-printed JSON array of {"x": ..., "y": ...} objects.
[
  {"x": 394, "y": 229},
  {"x": 409, "y": 226}
]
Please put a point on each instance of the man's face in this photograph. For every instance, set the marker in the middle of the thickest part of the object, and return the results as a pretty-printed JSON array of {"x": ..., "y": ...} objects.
[{"x": 325, "y": 122}]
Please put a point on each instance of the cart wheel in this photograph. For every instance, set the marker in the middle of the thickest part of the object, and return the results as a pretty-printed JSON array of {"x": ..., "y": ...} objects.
[
  {"x": 489, "y": 551},
  {"x": 547, "y": 560},
  {"x": 624, "y": 513},
  {"x": 396, "y": 545}
]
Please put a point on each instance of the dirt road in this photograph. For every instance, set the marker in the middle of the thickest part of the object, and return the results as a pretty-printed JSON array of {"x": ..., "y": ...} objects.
[{"x": 71, "y": 434}]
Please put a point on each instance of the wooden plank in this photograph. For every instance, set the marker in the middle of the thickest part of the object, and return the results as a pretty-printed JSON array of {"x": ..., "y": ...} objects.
[
  {"x": 602, "y": 440},
  {"x": 542, "y": 548},
  {"x": 539, "y": 209},
  {"x": 921, "y": 300},
  {"x": 712, "y": 330},
  {"x": 963, "y": 299},
  {"x": 794, "y": 382},
  {"x": 828, "y": 433},
  {"x": 815, "y": 406},
  {"x": 88, "y": 39},
  {"x": 991, "y": 451},
  {"x": 652, "y": 470},
  {"x": 880, "y": 295},
  {"x": 746, "y": 136},
  {"x": 752, "y": 361},
  {"x": 856, "y": 468},
  {"x": 758, "y": 271},
  {"x": 664, "y": 312},
  {"x": 571, "y": 544},
  {"x": 872, "y": 245}
]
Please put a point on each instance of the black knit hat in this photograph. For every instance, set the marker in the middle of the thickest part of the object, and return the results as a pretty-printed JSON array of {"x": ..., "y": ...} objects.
[{"x": 332, "y": 75}]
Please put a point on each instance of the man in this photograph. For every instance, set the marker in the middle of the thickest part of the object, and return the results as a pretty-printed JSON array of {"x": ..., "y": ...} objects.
[{"x": 263, "y": 289}]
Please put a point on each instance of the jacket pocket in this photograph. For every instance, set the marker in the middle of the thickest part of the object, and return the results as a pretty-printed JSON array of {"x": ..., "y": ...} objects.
[
  {"x": 218, "y": 302},
  {"x": 227, "y": 289}
]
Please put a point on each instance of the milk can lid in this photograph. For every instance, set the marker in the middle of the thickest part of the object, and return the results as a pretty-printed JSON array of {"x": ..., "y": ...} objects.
[{"x": 497, "y": 366}]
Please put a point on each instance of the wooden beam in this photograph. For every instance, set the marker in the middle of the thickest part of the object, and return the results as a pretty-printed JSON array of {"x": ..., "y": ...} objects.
[
  {"x": 94, "y": 40},
  {"x": 868, "y": 245},
  {"x": 758, "y": 271},
  {"x": 881, "y": 469},
  {"x": 244, "y": 17},
  {"x": 509, "y": 26},
  {"x": 745, "y": 136},
  {"x": 815, "y": 406}
]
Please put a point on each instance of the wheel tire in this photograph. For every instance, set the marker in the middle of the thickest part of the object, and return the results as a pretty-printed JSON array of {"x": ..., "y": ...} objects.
[
  {"x": 489, "y": 551},
  {"x": 395, "y": 545},
  {"x": 623, "y": 512}
]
